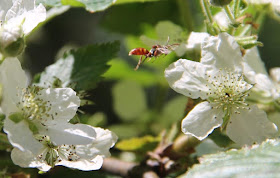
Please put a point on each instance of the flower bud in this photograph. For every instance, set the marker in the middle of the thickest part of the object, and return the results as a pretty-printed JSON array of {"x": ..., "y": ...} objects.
[
  {"x": 219, "y": 3},
  {"x": 14, "y": 49}
]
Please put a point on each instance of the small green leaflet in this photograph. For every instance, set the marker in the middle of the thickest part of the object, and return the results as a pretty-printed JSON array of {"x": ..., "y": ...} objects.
[
  {"x": 81, "y": 68},
  {"x": 89, "y": 5},
  {"x": 258, "y": 161}
]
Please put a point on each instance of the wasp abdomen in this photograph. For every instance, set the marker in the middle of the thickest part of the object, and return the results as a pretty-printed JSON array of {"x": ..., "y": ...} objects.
[{"x": 138, "y": 51}]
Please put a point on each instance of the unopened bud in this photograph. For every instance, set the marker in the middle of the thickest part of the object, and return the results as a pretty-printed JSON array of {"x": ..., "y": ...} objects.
[{"x": 14, "y": 49}]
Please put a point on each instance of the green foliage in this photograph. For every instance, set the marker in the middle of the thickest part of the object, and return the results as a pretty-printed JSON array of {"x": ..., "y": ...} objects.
[
  {"x": 121, "y": 70},
  {"x": 4, "y": 142},
  {"x": 129, "y": 100},
  {"x": 133, "y": 15},
  {"x": 172, "y": 112},
  {"x": 258, "y": 161},
  {"x": 138, "y": 144},
  {"x": 81, "y": 68},
  {"x": 125, "y": 131},
  {"x": 92, "y": 5},
  {"x": 220, "y": 138},
  {"x": 133, "y": 1}
]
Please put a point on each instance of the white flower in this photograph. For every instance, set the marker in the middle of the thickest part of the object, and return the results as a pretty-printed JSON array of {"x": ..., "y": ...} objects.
[
  {"x": 76, "y": 146},
  {"x": 218, "y": 79},
  {"x": 222, "y": 20},
  {"x": 195, "y": 39},
  {"x": 19, "y": 18},
  {"x": 37, "y": 125},
  {"x": 267, "y": 88}
]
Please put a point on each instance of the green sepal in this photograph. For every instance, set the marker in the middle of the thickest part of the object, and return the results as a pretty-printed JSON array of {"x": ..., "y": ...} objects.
[
  {"x": 51, "y": 157},
  {"x": 14, "y": 49},
  {"x": 32, "y": 127},
  {"x": 57, "y": 83},
  {"x": 16, "y": 117}
]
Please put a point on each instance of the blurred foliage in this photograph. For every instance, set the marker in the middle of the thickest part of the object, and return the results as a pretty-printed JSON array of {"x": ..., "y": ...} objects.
[
  {"x": 92, "y": 5},
  {"x": 139, "y": 144},
  {"x": 136, "y": 105}
]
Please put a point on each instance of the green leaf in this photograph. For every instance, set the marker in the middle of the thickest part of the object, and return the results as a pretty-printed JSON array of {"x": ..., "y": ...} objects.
[
  {"x": 4, "y": 142},
  {"x": 133, "y": 1},
  {"x": 173, "y": 111},
  {"x": 90, "y": 5},
  {"x": 257, "y": 161},
  {"x": 96, "y": 5},
  {"x": 129, "y": 100},
  {"x": 73, "y": 3},
  {"x": 138, "y": 144},
  {"x": 50, "y": 2},
  {"x": 121, "y": 70},
  {"x": 126, "y": 130},
  {"x": 82, "y": 67}
]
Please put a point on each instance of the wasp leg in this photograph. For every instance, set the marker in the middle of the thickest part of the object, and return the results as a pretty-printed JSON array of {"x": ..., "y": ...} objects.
[{"x": 139, "y": 62}]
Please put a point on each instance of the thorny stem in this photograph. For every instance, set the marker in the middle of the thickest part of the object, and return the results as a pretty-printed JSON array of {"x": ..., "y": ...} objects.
[
  {"x": 236, "y": 7},
  {"x": 206, "y": 10},
  {"x": 229, "y": 14},
  {"x": 207, "y": 13}
]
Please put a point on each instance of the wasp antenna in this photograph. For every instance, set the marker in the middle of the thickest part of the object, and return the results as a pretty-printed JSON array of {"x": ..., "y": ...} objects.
[{"x": 167, "y": 40}]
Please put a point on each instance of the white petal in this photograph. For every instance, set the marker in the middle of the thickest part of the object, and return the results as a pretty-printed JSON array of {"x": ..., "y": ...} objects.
[
  {"x": 188, "y": 78},
  {"x": 5, "y": 6},
  {"x": 15, "y": 10},
  {"x": 10, "y": 33},
  {"x": 250, "y": 126},
  {"x": 25, "y": 14},
  {"x": 264, "y": 84},
  {"x": 33, "y": 18},
  {"x": 275, "y": 74},
  {"x": 202, "y": 120},
  {"x": 195, "y": 40},
  {"x": 105, "y": 139},
  {"x": 253, "y": 64},
  {"x": 64, "y": 104},
  {"x": 13, "y": 80},
  {"x": 84, "y": 165},
  {"x": 222, "y": 52},
  {"x": 20, "y": 136},
  {"x": 222, "y": 20},
  {"x": 91, "y": 155},
  {"x": 70, "y": 134},
  {"x": 27, "y": 159}
]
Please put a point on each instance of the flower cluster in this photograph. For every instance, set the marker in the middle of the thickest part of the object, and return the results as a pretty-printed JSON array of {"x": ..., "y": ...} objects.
[
  {"x": 38, "y": 125},
  {"x": 37, "y": 118},
  {"x": 221, "y": 80}
]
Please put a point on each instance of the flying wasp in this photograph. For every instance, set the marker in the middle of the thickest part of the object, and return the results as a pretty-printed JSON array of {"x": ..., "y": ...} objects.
[{"x": 155, "y": 51}]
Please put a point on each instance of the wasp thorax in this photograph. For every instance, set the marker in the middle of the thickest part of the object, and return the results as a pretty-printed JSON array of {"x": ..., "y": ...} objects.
[
  {"x": 228, "y": 90},
  {"x": 32, "y": 105}
]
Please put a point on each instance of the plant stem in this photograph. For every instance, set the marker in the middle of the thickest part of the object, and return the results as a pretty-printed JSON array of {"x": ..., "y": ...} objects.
[
  {"x": 229, "y": 14},
  {"x": 236, "y": 8},
  {"x": 206, "y": 10},
  {"x": 207, "y": 13}
]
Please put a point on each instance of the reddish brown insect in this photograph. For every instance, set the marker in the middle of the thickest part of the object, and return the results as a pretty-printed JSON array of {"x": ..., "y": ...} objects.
[{"x": 157, "y": 50}]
